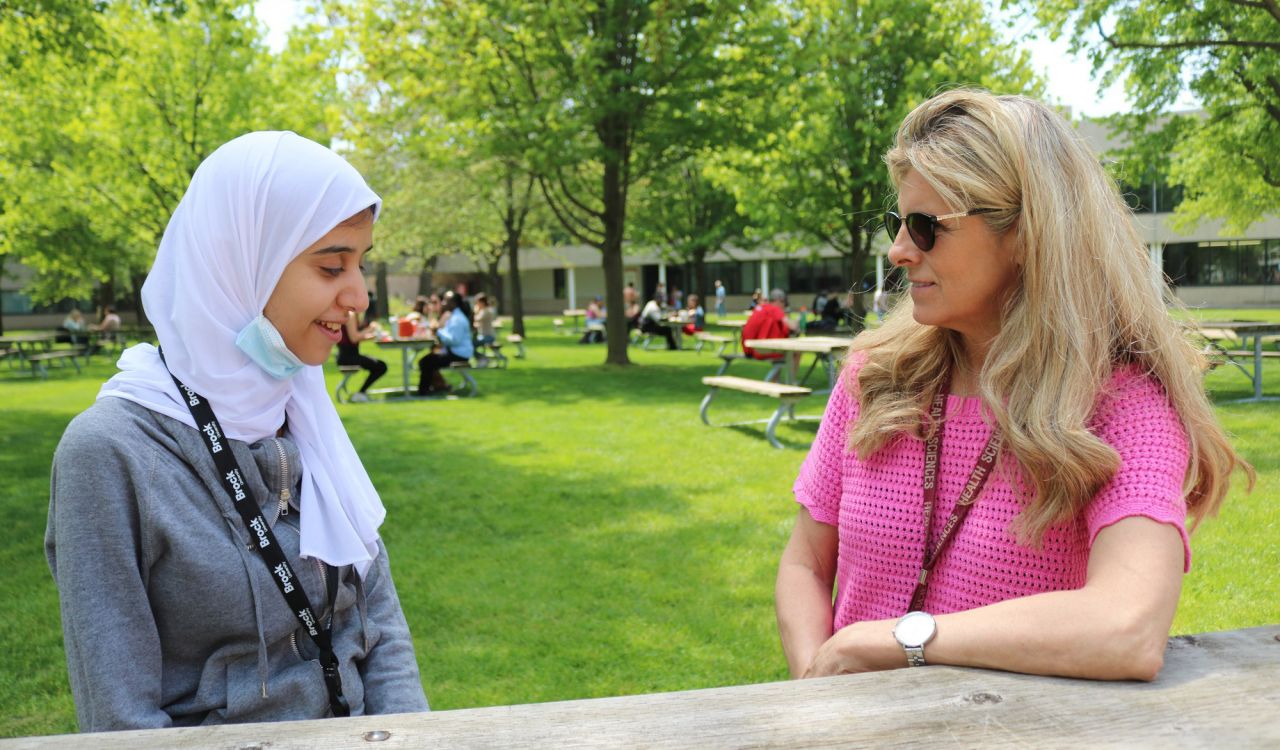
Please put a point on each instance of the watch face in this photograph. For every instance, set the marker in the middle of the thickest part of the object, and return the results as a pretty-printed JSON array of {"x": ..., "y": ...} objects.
[{"x": 914, "y": 629}]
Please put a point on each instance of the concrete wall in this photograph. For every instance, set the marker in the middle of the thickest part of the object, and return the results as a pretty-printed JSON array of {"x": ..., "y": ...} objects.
[{"x": 1229, "y": 296}]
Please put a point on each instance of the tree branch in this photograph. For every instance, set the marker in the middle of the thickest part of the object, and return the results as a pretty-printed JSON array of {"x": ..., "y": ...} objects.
[
  {"x": 167, "y": 199},
  {"x": 1270, "y": 6},
  {"x": 576, "y": 227},
  {"x": 1185, "y": 44}
]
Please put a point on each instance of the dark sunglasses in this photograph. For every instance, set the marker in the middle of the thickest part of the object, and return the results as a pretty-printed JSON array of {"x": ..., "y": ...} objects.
[{"x": 923, "y": 228}]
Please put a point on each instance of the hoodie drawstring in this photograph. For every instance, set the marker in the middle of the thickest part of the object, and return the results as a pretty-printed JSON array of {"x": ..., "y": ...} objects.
[{"x": 246, "y": 560}]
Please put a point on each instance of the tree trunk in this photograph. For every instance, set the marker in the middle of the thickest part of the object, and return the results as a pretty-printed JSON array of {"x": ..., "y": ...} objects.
[
  {"x": 515, "y": 301},
  {"x": 615, "y": 215},
  {"x": 860, "y": 244},
  {"x": 139, "y": 313},
  {"x": 700, "y": 284},
  {"x": 425, "y": 276},
  {"x": 380, "y": 286},
  {"x": 495, "y": 281},
  {"x": 106, "y": 295}
]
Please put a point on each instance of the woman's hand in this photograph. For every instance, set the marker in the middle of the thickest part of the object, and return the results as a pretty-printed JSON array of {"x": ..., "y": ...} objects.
[
  {"x": 806, "y": 575},
  {"x": 861, "y": 647}
]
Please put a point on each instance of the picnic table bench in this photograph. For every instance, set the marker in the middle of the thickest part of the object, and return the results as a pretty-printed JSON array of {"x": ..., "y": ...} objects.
[
  {"x": 725, "y": 342},
  {"x": 787, "y": 396},
  {"x": 37, "y": 360},
  {"x": 1217, "y": 690},
  {"x": 463, "y": 370},
  {"x": 1229, "y": 340},
  {"x": 518, "y": 341}
]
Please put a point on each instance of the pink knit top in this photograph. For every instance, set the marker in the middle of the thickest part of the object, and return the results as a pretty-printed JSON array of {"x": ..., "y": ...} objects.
[{"x": 877, "y": 504}]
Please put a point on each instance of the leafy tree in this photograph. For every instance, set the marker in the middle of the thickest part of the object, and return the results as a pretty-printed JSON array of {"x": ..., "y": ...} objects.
[
  {"x": 600, "y": 95},
  {"x": 102, "y": 142},
  {"x": 687, "y": 216},
  {"x": 846, "y": 74},
  {"x": 425, "y": 101},
  {"x": 1226, "y": 53}
]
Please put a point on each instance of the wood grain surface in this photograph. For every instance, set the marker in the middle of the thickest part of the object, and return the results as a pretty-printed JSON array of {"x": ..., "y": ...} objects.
[{"x": 1219, "y": 690}]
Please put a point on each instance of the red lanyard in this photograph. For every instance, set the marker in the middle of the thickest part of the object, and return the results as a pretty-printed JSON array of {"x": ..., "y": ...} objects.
[{"x": 977, "y": 479}]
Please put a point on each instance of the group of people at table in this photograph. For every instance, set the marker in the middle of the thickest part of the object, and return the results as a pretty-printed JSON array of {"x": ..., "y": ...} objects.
[
  {"x": 457, "y": 328},
  {"x": 75, "y": 329},
  {"x": 1002, "y": 478}
]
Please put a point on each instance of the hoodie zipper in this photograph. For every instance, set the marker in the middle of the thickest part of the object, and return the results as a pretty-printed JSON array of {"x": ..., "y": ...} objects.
[
  {"x": 324, "y": 588},
  {"x": 285, "y": 494}
]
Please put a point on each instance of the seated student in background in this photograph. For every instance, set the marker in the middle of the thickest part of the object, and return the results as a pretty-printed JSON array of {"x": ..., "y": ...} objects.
[
  {"x": 455, "y": 346},
  {"x": 594, "y": 323},
  {"x": 484, "y": 320},
  {"x": 1004, "y": 472},
  {"x": 414, "y": 322},
  {"x": 651, "y": 318},
  {"x": 349, "y": 353},
  {"x": 110, "y": 322},
  {"x": 768, "y": 321},
  {"x": 74, "y": 326},
  {"x": 826, "y": 312},
  {"x": 697, "y": 317},
  {"x": 108, "y": 326}
]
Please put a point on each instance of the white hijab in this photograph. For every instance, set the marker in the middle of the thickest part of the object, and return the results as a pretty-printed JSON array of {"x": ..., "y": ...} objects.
[{"x": 252, "y": 207}]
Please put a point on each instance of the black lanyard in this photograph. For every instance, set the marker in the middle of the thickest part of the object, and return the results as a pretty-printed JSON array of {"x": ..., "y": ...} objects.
[{"x": 265, "y": 541}]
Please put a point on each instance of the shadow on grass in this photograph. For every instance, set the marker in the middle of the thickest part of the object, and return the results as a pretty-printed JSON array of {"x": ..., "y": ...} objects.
[
  {"x": 528, "y": 583},
  {"x": 34, "y": 691}
]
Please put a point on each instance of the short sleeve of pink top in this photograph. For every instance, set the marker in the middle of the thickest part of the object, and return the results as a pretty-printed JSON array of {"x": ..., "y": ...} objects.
[{"x": 877, "y": 504}]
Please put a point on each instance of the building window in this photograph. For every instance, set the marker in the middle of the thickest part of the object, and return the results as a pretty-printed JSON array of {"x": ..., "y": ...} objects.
[
  {"x": 1142, "y": 199},
  {"x": 738, "y": 277},
  {"x": 559, "y": 284},
  {"x": 809, "y": 276},
  {"x": 1223, "y": 262}
]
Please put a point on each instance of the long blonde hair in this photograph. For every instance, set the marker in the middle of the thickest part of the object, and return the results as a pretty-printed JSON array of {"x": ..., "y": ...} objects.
[{"x": 1087, "y": 303}]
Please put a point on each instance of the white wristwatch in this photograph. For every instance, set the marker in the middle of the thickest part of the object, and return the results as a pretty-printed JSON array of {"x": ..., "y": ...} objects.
[{"x": 913, "y": 631}]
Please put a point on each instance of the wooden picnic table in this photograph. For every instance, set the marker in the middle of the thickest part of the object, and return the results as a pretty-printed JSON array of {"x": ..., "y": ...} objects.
[
  {"x": 676, "y": 324},
  {"x": 1245, "y": 330},
  {"x": 35, "y": 349},
  {"x": 577, "y": 315},
  {"x": 1217, "y": 690},
  {"x": 826, "y": 350},
  {"x": 409, "y": 348},
  {"x": 25, "y": 341}
]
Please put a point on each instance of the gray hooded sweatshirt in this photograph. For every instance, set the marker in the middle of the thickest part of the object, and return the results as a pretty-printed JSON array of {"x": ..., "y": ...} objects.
[{"x": 169, "y": 615}]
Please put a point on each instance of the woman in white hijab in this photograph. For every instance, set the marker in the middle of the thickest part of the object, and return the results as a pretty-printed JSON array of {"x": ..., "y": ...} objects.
[{"x": 212, "y": 531}]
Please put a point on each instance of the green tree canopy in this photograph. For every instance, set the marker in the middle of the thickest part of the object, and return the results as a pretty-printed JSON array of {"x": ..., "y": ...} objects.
[
  {"x": 596, "y": 97},
  {"x": 1226, "y": 53},
  {"x": 844, "y": 75},
  {"x": 100, "y": 141},
  {"x": 428, "y": 116}
]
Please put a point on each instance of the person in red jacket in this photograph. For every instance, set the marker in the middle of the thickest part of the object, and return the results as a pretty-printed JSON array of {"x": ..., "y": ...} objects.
[{"x": 768, "y": 321}]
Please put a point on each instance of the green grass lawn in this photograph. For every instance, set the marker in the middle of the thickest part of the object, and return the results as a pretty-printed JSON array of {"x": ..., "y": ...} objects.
[{"x": 575, "y": 531}]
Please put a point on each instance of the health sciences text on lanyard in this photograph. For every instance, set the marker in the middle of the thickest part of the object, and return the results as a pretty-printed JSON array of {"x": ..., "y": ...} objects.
[
  {"x": 281, "y": 572},
  {"x": 977, "y": 479}
]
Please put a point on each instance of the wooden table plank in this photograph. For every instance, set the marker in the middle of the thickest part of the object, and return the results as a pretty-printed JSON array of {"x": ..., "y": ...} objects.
[{"x": 1220, "y": 690}]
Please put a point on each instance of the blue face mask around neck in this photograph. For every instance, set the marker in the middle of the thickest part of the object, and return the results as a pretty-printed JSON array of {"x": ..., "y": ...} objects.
[{"x": 263, "y": 344}]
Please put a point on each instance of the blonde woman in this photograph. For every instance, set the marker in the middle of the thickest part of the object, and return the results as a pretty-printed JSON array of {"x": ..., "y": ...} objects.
[{"x": 1003, "y": 478}]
